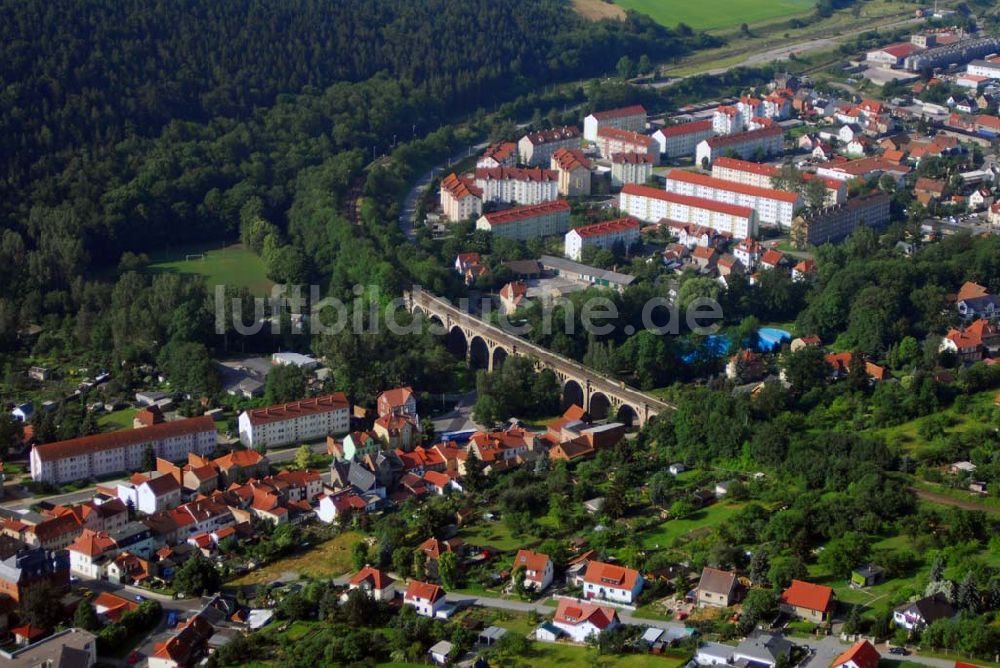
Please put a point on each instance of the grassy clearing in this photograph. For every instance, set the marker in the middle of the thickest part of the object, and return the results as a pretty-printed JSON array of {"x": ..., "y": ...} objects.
[
  {"x": 700, "y": 522},
  {"x": 496, "y": 535},
  {"x": 907, "y": 436},
  {"x": 597, "y": 10},
  {"x": 324, "y": 560},
  {"x": 232, "y": 265},
  {"x": 117, "y": 420},
  {"x": 722, "y": 14},
  {"x": 554, "y": 655}
]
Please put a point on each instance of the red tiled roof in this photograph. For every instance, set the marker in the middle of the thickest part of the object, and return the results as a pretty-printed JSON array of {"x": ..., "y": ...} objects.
[
  {"x": 634, "y": 110},
  {"x": 631, "y": 158},
  {"x": 525, "y": 212},
  {"x": 970, "y": 290},
  {"x": 573, "y": 612},
  {"x": 124, "y": 438},
  {"x": 569, "y": 159},
  {"x": 502, "y": 151},
  {"x": 460, "y": 187},
  {"x": 772, "y": 257},
  {"x": 294, "y": 409},
  {"x": 730, "y": 186},
  {"x": 862, "y": 654},
  {"x": 377, "y": 578},
  {"x": 721, "y": 141},
  {"x": 637, "y": 190},
  {"x": 686, "y": 128},
  {"x": 610, "y": 575},
  {"x": 92, "y": 543},
  {"x": 532, "y": 561},
  {"x": 516, "y": 174},
  {"x": 901, "y": 50},
  {"x": 808, "y": 596},
  {"x": 240, "y": 458},
  {"x": 626, "y": 136},
  {"x": 425, "y": 590},
  {"x": 554, "y": 134},
  {"x": 607, "y": 227}
]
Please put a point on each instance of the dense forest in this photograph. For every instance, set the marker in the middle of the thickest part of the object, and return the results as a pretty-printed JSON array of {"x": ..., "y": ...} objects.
[{"x": 132, "y": 126}]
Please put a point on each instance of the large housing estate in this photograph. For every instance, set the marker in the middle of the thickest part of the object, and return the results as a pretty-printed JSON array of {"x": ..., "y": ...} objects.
[
  {"x": 120, "y": 451},
  {"x": 652, "y": 205},
  {"x": 295, "y": 422}
]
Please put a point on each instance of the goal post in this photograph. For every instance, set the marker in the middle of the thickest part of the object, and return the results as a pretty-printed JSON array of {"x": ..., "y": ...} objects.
[{"x": 194, "y": 256}]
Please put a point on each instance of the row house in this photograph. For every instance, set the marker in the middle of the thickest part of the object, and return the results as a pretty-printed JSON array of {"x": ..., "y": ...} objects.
[
  {"x": 102, "y": 513},
  {"x": 397, "y": 431},
  {"x": 514, "y": 185},
  {"x": 767, "y": 141},
  {"x": 527, "y": 222},
  {"x": 613, "y": 140},
  {"x": 537, "y": 148},
  {"x": 120, "y": 451},
  {"x": 631, "y": 118},
  {"x": 652, "y": 205},
  {"x": 461, "y": 199},
  {"x": 295, "y": 422},
  {"x": 774, "y": 207},
  {"x": 680, "y": 140},
  {"x": 606, "y": 234},
  {"x": 573, "y": 169}
]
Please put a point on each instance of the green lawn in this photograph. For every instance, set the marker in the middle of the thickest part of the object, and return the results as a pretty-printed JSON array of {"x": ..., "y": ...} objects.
[
  {"x": 722, "y": 14},
  {"x": 232, "y": 265},
  {"x": 546, "y": 655},
  {"x": 496, "y": 535},
  {"x": 117, "y": 420},
  {"x": 327, "y": 559},
  {"x": 701, "y": 521}
]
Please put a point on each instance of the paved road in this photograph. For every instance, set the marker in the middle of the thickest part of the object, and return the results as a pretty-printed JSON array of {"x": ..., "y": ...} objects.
[{"x": 409, "y": 211}]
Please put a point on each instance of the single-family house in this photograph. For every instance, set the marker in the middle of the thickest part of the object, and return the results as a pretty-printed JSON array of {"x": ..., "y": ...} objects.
[
  {"x": 611, "y": 582},
  {"x": 537, "y": 569},
  {"x": 376, "y": 583},
  {"x": 922, "y": 612},
  {"x": 861, "y": 654},
  {"x": 812, "y": 602},
  {"x": 580, "y": 620},
  {"x": 426, "y": 598},
  {"x": 716, "y": 588}
]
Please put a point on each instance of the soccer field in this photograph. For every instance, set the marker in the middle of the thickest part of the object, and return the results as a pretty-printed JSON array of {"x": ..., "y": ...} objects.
[
  {"x": 719, "y": 14},
  {"x": 232, "y": 265}
]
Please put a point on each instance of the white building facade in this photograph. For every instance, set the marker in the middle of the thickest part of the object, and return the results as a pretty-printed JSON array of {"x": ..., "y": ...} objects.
[
  {"x": 518, "y": 186},
  {"x": 773, "y": 207},
  {"x": 652, "y": 205},
  {"x": 295, "y": 422}
]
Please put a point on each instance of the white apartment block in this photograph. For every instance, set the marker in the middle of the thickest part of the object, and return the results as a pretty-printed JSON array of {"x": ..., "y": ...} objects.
[
  {"x": 573, "y": 168},
  {"x": 630, "y": 168},
  {"x": 527, "y": 222},
  {"x": 120, "y": 451},
  {"x": 518, "y": 186},
  {"x": 984, "y": 68},
  {"x": 605, "y": 234},
  {"x": 773, "y": 207},
  {"x": 612, "y": 140},
  {"x": 537, "y": 148},
  {"x": 653, "y": 205},
  {"x": 460, "y": 198},
  {"x": 680, "y": 140},
  {"x": 631, "y": 118},
  {"x": 761, "y": 175},
  {"x": 743, "y": 144},
  {"x": 295, "y": 422},
  {"x": 727, "y": 120}
]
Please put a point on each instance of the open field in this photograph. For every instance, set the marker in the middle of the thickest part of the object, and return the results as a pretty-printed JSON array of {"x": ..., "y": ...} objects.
[
  {"x": 596, "y": 10},
  {"x": 232, "y": 265},
  {"x": 324, "y": 560},
  {"x": 701, "y": 521},
  {"x": 722, "y": 14},
  {"x": 117, "y": 420}
]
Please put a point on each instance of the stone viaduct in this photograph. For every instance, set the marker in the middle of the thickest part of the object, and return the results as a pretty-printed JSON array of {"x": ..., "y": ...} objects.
[{"x": 487, "y": 345}]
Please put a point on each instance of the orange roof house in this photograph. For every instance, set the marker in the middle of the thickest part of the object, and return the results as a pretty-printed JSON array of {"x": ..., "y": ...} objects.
[
  {"x": 861, "y": 654},
  {"x": 807, "y": 600}
]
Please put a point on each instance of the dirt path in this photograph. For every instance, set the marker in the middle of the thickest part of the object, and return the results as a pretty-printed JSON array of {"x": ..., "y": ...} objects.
[{"x": 957, "y": 503}]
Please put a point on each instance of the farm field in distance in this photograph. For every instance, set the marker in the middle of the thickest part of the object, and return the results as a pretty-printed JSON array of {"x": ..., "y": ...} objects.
[
  {"x": 231, "y": 265},
  {"x": 722, "y": 14}
]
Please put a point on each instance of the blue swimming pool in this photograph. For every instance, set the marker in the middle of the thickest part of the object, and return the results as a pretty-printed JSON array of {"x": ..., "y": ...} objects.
[{"x": 769, "y": 339}]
